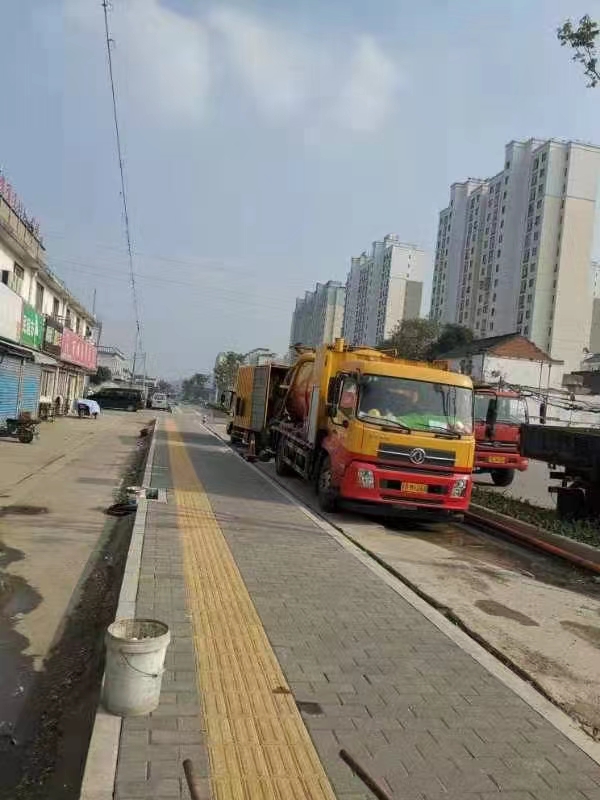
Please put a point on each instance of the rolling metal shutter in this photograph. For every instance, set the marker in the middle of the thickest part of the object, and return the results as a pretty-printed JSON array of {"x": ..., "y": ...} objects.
[
  {"x": 29, "y": 392},
  {"x": 10, "y": 371}
]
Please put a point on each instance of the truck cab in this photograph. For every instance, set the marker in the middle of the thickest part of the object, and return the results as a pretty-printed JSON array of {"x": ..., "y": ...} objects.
[{"x": 499, "y": 414}]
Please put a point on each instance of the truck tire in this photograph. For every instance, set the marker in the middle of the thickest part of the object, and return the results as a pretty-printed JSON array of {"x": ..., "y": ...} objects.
[
  {"x": 503, "y": 477},
  {"x": 281, "y": 467},
  {"x": 326, "y": 493}
]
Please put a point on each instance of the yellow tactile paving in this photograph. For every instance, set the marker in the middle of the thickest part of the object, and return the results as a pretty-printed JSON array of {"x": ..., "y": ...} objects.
[{"x": 258, "y": 745}]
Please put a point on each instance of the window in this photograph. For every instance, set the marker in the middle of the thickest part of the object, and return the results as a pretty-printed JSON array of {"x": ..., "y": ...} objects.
[
  {"x": 55, "y": 307},
  {"x": 19, "y": 274},
  {"x": 348, "y": 395},
  {"x": 539, "y": 203},
  {"x": 496, "y": 282},
  {"x": 544, "y": 157},
  {"x": 39, "y": 297},
  {"x": 78, "y": 325},
  {"x": 68, "y": 318}
]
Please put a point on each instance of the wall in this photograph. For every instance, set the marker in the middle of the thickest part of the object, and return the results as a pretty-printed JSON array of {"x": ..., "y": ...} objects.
[
  {"x": 491, "y": 369},
  {"x": 594, "y": 345}
]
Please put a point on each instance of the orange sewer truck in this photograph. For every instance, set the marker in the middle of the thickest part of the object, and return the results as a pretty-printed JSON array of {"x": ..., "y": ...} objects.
[{"x": 373, "y": 432}]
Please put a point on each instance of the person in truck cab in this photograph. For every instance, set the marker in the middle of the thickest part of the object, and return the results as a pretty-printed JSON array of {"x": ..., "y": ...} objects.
[{"x": 381, "y": 402}]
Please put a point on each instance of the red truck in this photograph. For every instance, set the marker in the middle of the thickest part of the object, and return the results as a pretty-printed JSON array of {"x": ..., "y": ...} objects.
[{"x": 499, "y": 414}]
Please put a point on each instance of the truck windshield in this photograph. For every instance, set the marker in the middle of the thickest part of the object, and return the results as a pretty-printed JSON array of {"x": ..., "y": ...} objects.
[
  {"x": 418, "y": 405},
  {"x": 510, "y": 410}
]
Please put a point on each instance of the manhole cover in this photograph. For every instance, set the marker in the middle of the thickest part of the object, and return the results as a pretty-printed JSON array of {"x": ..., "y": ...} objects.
[
  {"x": 308, "y": 707},
  {"x": 30, "y": 510}
]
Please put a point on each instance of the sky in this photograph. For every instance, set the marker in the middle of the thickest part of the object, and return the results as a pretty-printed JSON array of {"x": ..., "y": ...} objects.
[{"x": 265, "y": 143}]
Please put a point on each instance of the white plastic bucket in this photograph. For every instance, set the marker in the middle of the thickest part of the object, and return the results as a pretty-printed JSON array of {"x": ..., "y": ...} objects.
[{"x": 135, "y": 654}]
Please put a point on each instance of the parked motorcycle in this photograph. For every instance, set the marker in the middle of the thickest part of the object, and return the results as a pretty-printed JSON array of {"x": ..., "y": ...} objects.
[{"x": 23, "y": 428}]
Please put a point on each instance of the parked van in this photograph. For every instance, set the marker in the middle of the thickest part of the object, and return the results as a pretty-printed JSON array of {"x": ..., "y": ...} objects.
[
  {"x": 160, "y": 401},
  {"x": 120, "y": 398}
]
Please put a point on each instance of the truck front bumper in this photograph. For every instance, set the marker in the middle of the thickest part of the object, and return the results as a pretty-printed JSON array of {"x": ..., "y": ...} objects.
[{"x": 406, "y": 489}]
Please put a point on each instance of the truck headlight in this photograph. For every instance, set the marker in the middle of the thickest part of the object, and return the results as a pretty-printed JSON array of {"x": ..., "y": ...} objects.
[
  {"x": 365, "y": 478},
  {"x": 460, "y": 487}
]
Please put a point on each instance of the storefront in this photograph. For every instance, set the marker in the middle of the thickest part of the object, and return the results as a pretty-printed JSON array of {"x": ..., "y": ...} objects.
[
  {"x": 79, "y": 358},
  {"x": 19, "y": 374},
  {"x": 19, "y": 381}
]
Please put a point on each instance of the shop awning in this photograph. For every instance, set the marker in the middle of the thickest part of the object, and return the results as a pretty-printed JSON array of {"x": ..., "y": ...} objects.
[
  {"x": 12, "y": 349},
  {"x": 45, "y": 360}
]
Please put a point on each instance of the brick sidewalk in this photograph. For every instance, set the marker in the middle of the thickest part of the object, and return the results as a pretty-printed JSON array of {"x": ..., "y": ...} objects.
[{"x": 419, "y": 714}]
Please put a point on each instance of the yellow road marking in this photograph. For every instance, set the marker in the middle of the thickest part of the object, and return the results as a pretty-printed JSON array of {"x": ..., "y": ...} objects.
[{"x": 258, "y": 745}]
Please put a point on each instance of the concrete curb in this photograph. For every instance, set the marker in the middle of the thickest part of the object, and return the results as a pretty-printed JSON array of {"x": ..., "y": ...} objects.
[
  {"x": 580, "y": 553},
  {"x": 101, "y": 763}
]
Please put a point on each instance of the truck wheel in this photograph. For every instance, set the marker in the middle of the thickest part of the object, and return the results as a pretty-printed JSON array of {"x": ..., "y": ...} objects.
[
  {"x": 503, "y": 477},
  {"x": 326, "y": 493},
  {"x": 281, "y": 467}
]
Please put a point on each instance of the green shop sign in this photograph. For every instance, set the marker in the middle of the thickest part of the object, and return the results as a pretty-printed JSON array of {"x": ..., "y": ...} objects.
[{"x": 32, "y": 330}]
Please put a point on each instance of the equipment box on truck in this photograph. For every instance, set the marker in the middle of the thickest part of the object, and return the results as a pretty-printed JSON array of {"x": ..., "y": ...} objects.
[{"x": 252, "y": 402}]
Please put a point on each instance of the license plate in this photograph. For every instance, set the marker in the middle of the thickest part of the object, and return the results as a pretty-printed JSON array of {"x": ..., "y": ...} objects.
[
  {"x": 497, "y": 459},
  {"x": 414, "y": 488}
]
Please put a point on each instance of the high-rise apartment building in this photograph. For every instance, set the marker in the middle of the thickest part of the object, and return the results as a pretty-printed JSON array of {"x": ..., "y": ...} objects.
[
  {"x": 382, "y": 289},
  {"x": 513, "y": 251},
  {"x": 319, "y": 315}
]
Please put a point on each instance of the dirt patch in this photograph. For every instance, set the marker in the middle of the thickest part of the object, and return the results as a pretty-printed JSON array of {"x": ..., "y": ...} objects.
[
  {"x": 496, "y": 609},
  {"x": 44, "y": 755},
  {"x": 589, "y": 633},
  {"x": 24, "y": 510}
]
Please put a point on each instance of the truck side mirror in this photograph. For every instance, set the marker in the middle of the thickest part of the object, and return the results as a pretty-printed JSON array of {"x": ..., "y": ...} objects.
[
  {"x": 333, "y": 388},
  {"x": 491, "y": 417}
]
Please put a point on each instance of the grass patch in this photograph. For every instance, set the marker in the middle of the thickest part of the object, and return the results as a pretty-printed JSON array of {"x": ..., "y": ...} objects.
[{"x": 545, "y": 518}]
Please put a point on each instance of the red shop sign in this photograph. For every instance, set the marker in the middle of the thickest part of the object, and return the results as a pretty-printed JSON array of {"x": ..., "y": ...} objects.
[{"x": 77, "y": 350}]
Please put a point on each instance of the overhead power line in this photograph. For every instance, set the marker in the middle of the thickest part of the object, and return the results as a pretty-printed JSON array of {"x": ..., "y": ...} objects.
[{"x": 136, "y": 309}]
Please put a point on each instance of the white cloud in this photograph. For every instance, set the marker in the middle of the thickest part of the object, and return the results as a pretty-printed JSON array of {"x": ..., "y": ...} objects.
[
  {"x": 274, "y": 66},
  {"x": 328, "y": 82},
  {"x": 168, "y": 65},
  {"x": 161, "y": 57},
  {"x": 368, "y": 94}
]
